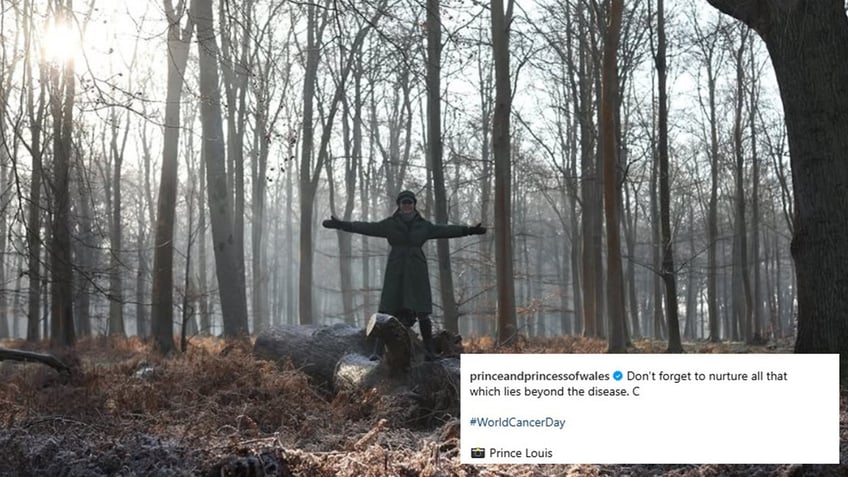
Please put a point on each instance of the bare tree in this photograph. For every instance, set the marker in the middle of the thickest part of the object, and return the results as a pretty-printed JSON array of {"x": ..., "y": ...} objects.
[
  {"x": 710, "y": 56},
  {"x": 609, "y": 148},
  {"x": 501, "y": 20},
  {"x": 308, "y": 175},
  {"x": 162, "y": 298},
  {"x": 8, "y": 63},
  {"x": 434, "y": 151},
  {"x": 230, "y": 274},
  {"x": 62, "y": 95},
  {"x": 117, "y": 146},
  {"x": 266, "y": 85},
  {"x": 742, "y": 283},
  {"x": 352, "y": 163},
  {"x": 146, "y": 224},
  {"x": 756, "y": 291},
  {"x": 236, "y": 29},
  {"x": 36, "y": 109},
  {"x": 591, "y": 199},
  {"x": 668, "y": 272}
]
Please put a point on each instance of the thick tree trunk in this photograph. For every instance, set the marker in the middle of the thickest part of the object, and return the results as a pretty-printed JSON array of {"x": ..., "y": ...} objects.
[
  {"x": 228, "y": 265},
  {"x": 162, "y": 298},
  {"x": 234, "y": 68},
  {"x": 615, "y": 285},
  {"x": 808, "y": 44},
  {"x": 61, "y": 265},
  {"x": 308, "y": 179}
]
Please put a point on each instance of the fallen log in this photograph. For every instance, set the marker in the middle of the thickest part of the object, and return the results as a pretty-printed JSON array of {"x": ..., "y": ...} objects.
[
  {"x": 313, "y": 349},
  {"x": 337, "y": 359},
  {"x": 31, "y": 356}
]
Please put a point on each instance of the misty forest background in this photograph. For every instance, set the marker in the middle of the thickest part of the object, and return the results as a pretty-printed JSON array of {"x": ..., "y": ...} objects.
[{"x": 165, "y": 167}]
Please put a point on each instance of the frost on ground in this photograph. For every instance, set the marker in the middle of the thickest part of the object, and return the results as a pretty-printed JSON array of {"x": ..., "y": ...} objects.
[{"x": 215, "y": 410}]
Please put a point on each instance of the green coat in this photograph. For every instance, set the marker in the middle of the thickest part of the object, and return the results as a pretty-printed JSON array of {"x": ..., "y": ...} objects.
[{"x": 406, "y": 283}]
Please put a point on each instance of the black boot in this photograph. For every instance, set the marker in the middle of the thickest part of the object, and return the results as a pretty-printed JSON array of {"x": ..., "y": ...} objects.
[{"x": 426, "y": 327}]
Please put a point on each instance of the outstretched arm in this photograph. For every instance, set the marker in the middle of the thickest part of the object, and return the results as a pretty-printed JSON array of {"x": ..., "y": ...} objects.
[
  {"x": 373, "y": 229},
  {"x": 438, "y": 231}
]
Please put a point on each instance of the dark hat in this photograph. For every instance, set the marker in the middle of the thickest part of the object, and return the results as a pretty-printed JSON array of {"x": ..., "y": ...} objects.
[{"x": 407, "y": 194}]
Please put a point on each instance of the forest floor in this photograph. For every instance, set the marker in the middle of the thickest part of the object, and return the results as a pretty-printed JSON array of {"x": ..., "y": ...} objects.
[{"x": 215, "y": 410}]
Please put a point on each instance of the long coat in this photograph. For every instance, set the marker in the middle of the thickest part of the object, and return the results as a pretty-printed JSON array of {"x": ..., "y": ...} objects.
[{"x": 406, "y": 283}]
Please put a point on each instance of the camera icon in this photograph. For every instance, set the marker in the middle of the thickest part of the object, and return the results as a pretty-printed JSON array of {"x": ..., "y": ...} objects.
[{"x": 478, "y": 453}]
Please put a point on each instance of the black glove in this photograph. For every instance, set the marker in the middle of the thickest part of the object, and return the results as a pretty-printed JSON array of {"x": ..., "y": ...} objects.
[
  {"x": 476, "y": 230},
  {"x": 333, "y": 223}
]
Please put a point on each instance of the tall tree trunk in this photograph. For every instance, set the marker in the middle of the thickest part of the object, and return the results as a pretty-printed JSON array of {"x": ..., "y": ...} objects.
[
  {"x": 615, "y": 277},
  {"x": 292, "y": 266},
  {"x": 265, "y": 120},
  {"x": 307, "y": 192},
  {"x": 84, "y": 257},
  {"x": 146, "y": 225},
  {"x": 692, "y": 282},
  {"x": 712, "y": 213},
  {"x": 228, "y": 270},
  {"x": 741, "y": 236},
  {"x": 501, "y": 21},
  {"x": 259, "y": 269},
  {"x": 434, "y": 150},
  {"x": 16, "y": 301},
  {"x": 668, "y": 271},
  {"x": 487, "y": 300},
  {"x": 576, "y": 234},
  {"x": 235, "y": 74},
  {"x": 36, "y": 110},
  {"x": 352, "y": 160},
  {"x": 162, "y": 298},
  {"x": 206, "y": 324},
  {"x": 142, "y": 325},
  {"x": 631, "y": 219},
  {"x": 9, "y": 59},
  {"x": 116, "y": 284},
  {"x": 756, "y": 299},
  {"x": 590, "y": 193},
  {"x": 657, "y": 327},
  {"x": 366, "y": 175},
  {"x": 62, "y": 107}
]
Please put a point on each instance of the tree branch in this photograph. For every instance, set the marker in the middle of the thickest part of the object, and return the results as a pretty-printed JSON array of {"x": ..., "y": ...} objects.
[{"x": 48, "y": 359}]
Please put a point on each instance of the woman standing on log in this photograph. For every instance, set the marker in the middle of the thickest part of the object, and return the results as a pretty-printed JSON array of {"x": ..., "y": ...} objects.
[{"x": 406, "y": 283}]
